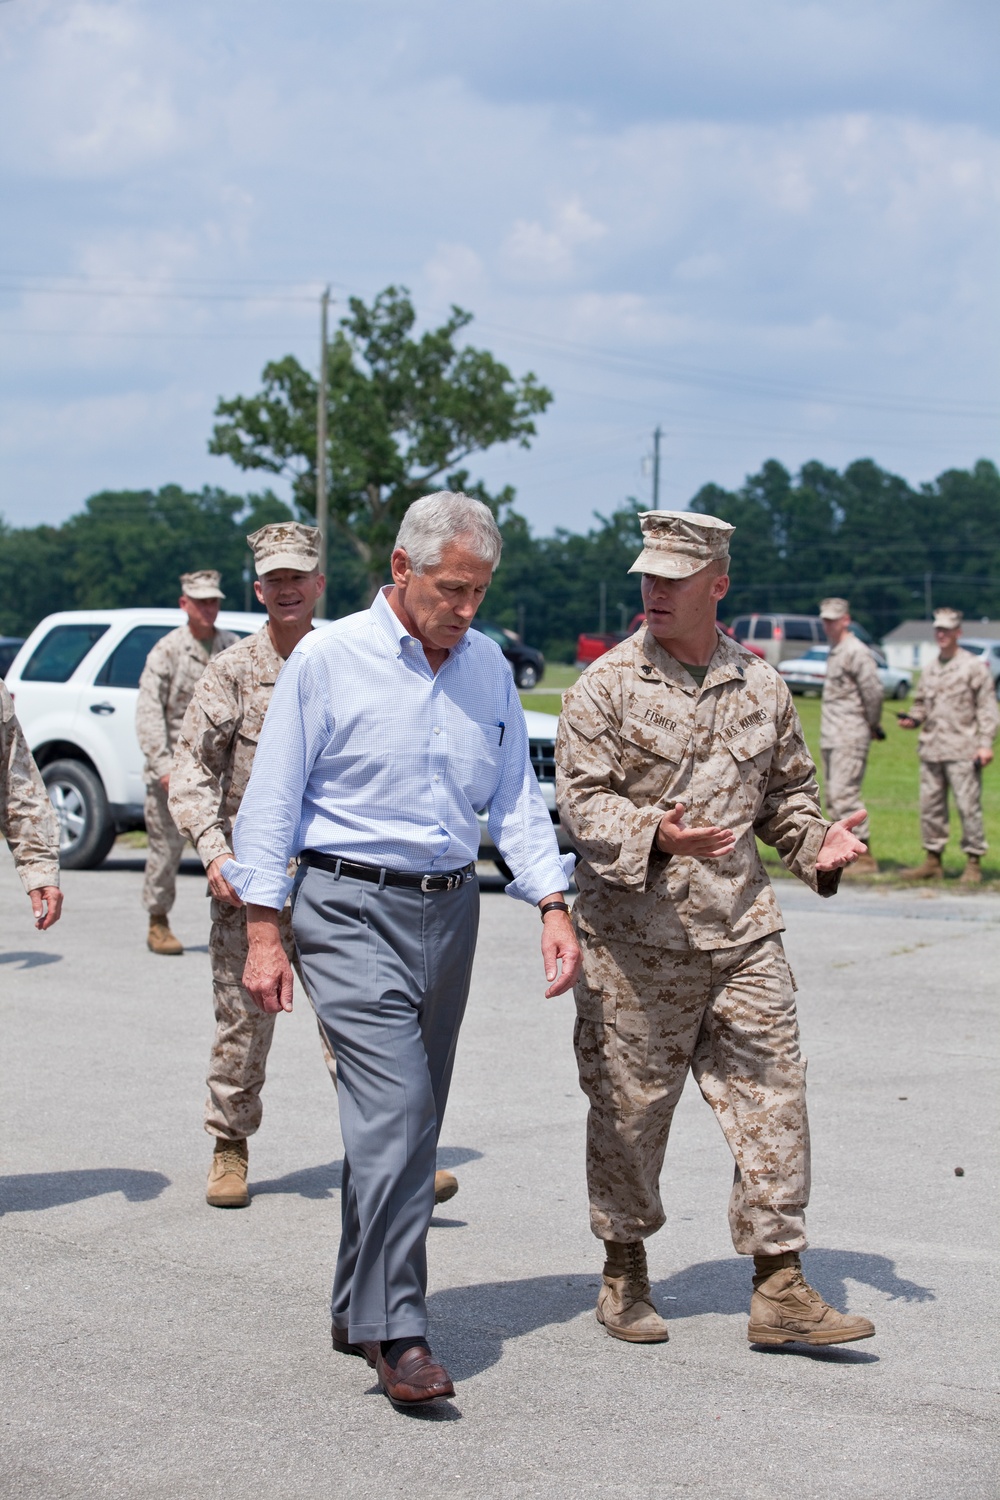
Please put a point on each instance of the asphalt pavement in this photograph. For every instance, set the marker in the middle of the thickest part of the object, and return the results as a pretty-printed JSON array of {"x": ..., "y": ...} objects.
[{"x": 155, "y": 1347}]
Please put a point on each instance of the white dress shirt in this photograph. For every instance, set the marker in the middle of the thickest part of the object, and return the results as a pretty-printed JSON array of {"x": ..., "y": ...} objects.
[{"x": 368, "y": 755}]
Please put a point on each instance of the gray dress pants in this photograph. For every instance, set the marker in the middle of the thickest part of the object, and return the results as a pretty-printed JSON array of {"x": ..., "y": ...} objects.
[{"x": 388, "y": 972}]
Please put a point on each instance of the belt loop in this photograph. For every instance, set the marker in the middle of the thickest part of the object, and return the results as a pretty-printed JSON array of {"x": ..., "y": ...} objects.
[
  {"x": 336, "y": 871},
  {"x": 381, "y": 879}
]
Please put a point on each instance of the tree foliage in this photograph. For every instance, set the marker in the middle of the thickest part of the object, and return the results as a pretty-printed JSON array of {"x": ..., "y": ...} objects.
[{"x": 405, "y": 412}]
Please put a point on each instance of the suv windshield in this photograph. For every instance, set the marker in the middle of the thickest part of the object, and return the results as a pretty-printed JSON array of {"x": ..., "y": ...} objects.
[{"x": 57, "y": 657}]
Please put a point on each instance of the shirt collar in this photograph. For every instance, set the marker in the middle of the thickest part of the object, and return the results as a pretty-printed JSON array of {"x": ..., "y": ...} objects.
[
  {"x": 393, "y": 628},
  {"x": 651, "y": 658}
]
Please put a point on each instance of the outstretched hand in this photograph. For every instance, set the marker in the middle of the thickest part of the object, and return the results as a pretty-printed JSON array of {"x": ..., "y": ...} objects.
[
  {"x": 700, "y": 843},
  {"x": 840, "y": 847}
]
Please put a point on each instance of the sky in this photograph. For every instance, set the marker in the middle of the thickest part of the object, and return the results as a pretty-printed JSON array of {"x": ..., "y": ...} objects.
[{"x": 770, "y": 230}]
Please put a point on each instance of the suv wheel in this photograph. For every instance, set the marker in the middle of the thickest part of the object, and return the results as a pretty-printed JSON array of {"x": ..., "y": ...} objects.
[
  {"x": 86, "y": 827},
  {"x": 526, "y": 675}
]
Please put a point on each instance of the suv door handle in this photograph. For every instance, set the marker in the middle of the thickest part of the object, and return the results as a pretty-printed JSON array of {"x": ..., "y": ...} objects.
[{"x": 102, "y": 708}]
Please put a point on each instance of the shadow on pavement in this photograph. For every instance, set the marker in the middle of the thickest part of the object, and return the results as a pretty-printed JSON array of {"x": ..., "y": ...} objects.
[
  {"x": 324, "y": 1181},
  {"x": 30, "y": 960},
  {"x": 31, "y": 1191},
  {"x": 471, "y": 1324}
]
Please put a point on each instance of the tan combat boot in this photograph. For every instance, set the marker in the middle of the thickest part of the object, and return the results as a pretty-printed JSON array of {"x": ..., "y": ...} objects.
[
  {"x": 931, "y": 869},
  {"x": 973, "y": 872},
  {"x": 445, "y": 1186},
  {"x": 227, "y": 1176},
  {"x": 625, "y": 1301},
  {"x": 161, "y": 939},
  {"x": 784, "y": 1308}
]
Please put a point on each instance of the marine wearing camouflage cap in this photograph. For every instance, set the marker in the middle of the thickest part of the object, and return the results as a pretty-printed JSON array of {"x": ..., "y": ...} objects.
[
  {"x": 677, "y": 543},
  {"x": 203, "y": 584},
  {"x": 948, "y": 619},
  {"x": 285, "y": 544},
  {"x": 833, "y": 609}
]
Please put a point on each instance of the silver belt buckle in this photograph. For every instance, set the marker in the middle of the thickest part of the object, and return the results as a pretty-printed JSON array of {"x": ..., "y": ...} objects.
[{"x": 423, "y": 883}]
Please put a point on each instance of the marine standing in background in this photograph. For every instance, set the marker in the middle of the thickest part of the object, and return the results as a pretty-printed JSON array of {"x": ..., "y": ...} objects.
[
  {"x": 955, "y": 706},
  {"x": 850, "y": 720},
  {"x": 211, "y": 767},
  {"x": 168, "y": 679},
  {"x": 28, "y": 821},
  {"x": 676, "y": 751}
]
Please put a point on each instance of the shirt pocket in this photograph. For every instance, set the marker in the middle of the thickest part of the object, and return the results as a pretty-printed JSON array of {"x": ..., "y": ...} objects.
[
  {"x": 652, "y": 756},
  {"x": 474, "y": 758},
  {"x": 753, "y": 752}
]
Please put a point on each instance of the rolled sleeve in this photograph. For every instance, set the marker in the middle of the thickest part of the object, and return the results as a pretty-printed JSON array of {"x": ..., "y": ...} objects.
[
  {"x": 519, "y": 821},
  {"x": 266, "y": 831}
]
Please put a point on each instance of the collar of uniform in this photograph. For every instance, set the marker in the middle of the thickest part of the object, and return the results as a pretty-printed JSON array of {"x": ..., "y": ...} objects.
[
  {"x": 196, "y": 648},
  {"x": 391, "y": 626},
  {"x": 653, "y": 661}
]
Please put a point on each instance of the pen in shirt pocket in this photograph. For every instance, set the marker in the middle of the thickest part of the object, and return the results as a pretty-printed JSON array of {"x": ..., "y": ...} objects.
[{"x": 503, "y": 730}]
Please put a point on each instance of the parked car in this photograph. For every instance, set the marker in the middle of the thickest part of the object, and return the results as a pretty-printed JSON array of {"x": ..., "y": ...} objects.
[
  {"x": 527, "y": 664},
  {"x": 782, "y": 637},
  {"x": 806, "y": 674},
  {"x": 10, "y": 645},
  {"x": 988, "y": 649},
  {"x": 75, "y": 682},
  {"x": 542, "y": 746}
]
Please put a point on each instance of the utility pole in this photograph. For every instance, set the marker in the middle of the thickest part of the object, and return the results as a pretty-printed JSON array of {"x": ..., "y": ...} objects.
[
  {"x": 928, "y": 598},
  {"x": 602, "y": 618},
  {"x": 657, "y": 435},
  {"x": 322, "y": 514}
]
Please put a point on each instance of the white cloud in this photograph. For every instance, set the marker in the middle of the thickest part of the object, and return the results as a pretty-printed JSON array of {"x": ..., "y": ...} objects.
[{"x": 535, "y": 251}]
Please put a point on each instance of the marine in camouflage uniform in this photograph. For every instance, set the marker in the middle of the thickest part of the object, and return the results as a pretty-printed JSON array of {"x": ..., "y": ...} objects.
[
  {"x": 168, "y": 680},
  {"x": 211, "y": 768},
  {"x": 955, "y": 706},
  {"x": 683, "y": 964},
  {"x": 28, "y": 821},
  {"x": 850, "y": 720}
]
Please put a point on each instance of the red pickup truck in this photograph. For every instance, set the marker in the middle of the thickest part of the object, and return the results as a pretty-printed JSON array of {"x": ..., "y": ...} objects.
[{"x": 590, "y": 647}]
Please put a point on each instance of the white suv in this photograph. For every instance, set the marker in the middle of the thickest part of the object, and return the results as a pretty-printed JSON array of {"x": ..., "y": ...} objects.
[{"x": 75, "y": 682}]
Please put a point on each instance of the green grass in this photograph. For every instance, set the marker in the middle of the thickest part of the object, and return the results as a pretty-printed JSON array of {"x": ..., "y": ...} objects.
[{"x": 891, "y": 789}]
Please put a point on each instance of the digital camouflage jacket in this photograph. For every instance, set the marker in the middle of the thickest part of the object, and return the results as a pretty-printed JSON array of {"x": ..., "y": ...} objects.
[{"x": 637, "y": 736}]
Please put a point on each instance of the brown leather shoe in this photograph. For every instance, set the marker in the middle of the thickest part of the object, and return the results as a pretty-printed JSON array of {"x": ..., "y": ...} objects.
[
  {"x": 343, "y": 1345},
  {"x": 417, "y": 1378},
  {"x": 931, "y": 869},
  {"x": 445, "y": 1186}
]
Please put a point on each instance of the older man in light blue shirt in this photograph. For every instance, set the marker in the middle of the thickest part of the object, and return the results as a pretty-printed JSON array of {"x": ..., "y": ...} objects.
[{"x": 387, "y": 733}]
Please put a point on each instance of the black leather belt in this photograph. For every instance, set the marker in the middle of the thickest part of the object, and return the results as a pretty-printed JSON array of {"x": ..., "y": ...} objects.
[{"x": 381, "y": 877}]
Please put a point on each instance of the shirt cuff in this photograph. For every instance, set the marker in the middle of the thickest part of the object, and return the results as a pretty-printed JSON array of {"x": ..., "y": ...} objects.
[
  {"x": 543, "y": 880},
  {"x": 259, "y": 887},
  {"x": 37, "y": 874}
]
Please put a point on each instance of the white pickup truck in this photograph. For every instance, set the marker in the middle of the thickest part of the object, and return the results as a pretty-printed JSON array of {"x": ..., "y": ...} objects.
[{"x": 75, "y": 682}]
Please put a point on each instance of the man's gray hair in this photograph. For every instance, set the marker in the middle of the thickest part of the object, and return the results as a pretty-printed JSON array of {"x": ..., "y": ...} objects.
[{"x": 431, "y": 523}]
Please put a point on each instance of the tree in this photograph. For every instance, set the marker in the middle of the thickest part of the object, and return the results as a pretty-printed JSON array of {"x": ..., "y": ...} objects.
[{"x": 404, "y": 414}]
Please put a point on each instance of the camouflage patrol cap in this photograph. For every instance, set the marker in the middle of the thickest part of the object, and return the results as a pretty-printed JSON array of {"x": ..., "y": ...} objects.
[
  {"x": 203, "y": 584},
  {"x": 677, "y": 543},
  {"x": 948, "y": 619},
  {"x": 285, "y": 544},
  {"x": 833, "y": 609}
]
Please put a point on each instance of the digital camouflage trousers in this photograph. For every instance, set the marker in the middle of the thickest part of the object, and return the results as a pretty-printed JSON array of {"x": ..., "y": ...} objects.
[
  {"x": 645, "y": 1016},
  {"x": 243, "y": 1033}
]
